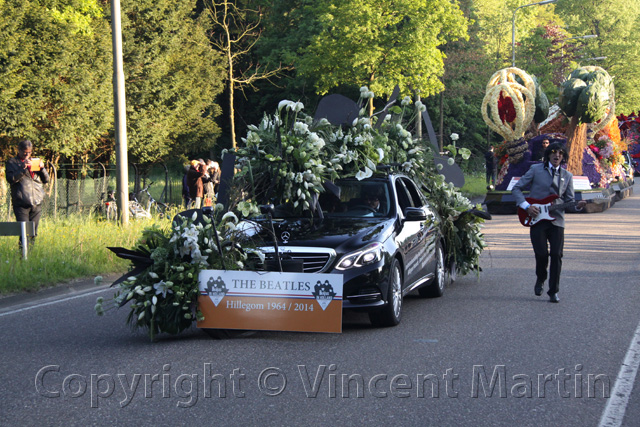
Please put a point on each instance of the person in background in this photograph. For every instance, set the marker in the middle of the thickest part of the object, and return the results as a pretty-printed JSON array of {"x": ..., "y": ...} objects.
[
  {"x": 211, "y": 186},
  {"x": 186, "y": 194},
  {"x": 490, "y": 164},
  {"x": 214, "y": 172},
  {"x": 539, "y": 157},
  {"x": 26, "y": 176},
  {"x": 195, "y": 182}
]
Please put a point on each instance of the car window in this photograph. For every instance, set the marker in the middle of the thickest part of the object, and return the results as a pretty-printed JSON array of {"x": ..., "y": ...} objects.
[
  {"x": 414, "y": 194},
  {"x": 404, "y": 199},
  {"x": 367, "y": 198}
]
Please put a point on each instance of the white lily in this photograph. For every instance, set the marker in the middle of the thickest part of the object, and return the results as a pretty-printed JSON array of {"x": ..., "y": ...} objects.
[
  {"x": 162, "y": 287},
  {"x": 231, "y": 215},
  {"x": 284, "y": 103}
]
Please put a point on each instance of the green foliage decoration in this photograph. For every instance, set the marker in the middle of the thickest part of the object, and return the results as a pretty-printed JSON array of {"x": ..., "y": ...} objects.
[
  {"x": 285, "y": 160},
  {"x": 270, "y": 170},
  {"x": 163, "y": 297}
]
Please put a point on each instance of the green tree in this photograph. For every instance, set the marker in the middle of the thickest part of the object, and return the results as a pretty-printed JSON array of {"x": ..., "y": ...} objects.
[
  {"x": 616, "y": 24},
  {"x": 54, "y": 76},
  {"x": 496, "y": 18},
  {"x": 172, "y": 79},
  {"x": 467, "y": 70},
  {"x": 547, "y": 53},
  {"x": 381, "y": 44},
  {"x": 287, "y": 27},
  {"x": 236, "y": 31}
]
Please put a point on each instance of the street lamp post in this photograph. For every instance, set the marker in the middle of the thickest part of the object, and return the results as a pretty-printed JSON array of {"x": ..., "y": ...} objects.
[
  {"x": 513, "y": 28},
  {"x": 588, "y": 36}
]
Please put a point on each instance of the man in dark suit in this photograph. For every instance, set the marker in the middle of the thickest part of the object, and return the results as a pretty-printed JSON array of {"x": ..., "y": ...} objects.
[{"x": 547, "y": 237}]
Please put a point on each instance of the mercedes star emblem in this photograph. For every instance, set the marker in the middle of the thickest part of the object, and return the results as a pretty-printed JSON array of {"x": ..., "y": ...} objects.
[{"x": 285, "y": 236}]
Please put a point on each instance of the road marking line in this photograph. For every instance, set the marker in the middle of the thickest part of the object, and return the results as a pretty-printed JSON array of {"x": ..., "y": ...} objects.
[
  {"x": 44, "y": 304},
  {"x": 613, "y": 414}
]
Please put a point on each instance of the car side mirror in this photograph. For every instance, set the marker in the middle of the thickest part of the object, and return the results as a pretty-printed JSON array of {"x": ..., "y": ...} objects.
[{"x": 415, "y": 214}]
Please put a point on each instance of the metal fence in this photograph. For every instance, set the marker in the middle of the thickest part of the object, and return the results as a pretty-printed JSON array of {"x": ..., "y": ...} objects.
[{"x": 82, "y": 189}]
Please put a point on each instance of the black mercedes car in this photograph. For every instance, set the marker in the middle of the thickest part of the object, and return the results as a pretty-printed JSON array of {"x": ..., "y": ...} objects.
[{"x": 379, "y": 233}]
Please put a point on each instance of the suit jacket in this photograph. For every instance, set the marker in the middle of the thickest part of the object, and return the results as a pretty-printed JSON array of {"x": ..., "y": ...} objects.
[{"x": 541, "y": 182}]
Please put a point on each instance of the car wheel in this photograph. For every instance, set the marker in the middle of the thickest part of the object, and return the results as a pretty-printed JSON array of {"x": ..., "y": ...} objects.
[
  {"x": 392, "y": 312},
  {"x": 436, "y": 287},
  {"x": 222, "y": 334}
]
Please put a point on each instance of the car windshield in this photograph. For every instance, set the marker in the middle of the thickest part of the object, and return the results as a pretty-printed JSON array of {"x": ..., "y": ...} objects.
[{"x": 352, "y": 198}]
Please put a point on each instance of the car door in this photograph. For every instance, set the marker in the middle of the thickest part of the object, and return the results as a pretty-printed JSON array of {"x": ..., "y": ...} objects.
[
  {"x": 424, "y": 261},
  {"x": 410, "y": 235}
]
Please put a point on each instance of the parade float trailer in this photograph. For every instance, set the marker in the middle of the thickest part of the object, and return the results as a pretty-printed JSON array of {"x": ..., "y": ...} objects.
[{"x": 584, "y": 121}]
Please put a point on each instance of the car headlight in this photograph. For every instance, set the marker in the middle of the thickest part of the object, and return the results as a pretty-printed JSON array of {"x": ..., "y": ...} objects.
[{"x": 370, "y": 254}]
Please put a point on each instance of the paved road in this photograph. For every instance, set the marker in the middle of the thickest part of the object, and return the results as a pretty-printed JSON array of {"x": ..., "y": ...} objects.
[{"x": 61, "y": 364}]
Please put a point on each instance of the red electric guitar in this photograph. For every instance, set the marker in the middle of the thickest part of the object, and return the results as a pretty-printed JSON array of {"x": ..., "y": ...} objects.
[{"x": 546, "y": 206}]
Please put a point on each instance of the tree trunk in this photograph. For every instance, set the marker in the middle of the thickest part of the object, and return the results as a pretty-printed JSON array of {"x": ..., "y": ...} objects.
[
  {"x": 576, "y": 143},
  {"x": 232, "y": 116}
]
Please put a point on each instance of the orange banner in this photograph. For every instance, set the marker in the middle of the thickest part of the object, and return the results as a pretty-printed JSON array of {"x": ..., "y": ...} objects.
[{"x": 270, "y": 301}]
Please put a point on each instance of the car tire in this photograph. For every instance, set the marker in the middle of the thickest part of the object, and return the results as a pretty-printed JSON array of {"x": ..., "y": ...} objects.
[
  {"x": 222, "y": 334},
  {"x": 391, "y": 314},
  {"x": 435, "y": 289}
]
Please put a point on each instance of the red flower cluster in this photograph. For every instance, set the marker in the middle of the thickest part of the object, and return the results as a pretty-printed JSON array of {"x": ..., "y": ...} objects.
[
  {"x": 627, "y": 121},
  {"x": 506, "y": 109}
]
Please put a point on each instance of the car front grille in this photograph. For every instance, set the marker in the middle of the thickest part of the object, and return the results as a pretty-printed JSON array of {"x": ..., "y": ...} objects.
[{"x": 314, "y": 260}]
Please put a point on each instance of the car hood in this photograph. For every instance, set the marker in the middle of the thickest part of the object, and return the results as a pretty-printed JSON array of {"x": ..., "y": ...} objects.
[{"x": 341, "y": 234}]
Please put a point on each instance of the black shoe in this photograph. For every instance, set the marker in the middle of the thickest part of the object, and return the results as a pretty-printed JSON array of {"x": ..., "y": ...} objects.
[
  {"x": 554, "y": 298},
  {"x": 538, "y": 288}
]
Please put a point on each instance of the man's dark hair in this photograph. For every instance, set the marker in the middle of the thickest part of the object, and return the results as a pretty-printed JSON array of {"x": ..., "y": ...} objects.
[
  {"x": 556, "y": 146},
  {"x": 24, "y": 144}
]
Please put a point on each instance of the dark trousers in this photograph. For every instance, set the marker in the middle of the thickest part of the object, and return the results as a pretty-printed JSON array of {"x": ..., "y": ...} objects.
[
  {"x": 28, "y": 214},
  {"x": 491, "y": 176},
  {"x": 548, "y": 242}
]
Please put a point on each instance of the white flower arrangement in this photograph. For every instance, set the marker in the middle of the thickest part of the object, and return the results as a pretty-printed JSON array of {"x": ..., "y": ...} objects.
[
  {"x": 285, "y": 159},
  {"x": 163, "y": 297}
]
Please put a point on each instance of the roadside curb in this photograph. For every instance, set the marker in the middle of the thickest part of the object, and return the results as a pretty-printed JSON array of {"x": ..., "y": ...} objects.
[{"x": 73, "y": 287}]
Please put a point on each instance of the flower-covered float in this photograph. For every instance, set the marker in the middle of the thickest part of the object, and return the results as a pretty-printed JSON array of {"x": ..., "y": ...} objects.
[
  {"x": 630, "y": 132},
  {"x": 288, "y": 159},
  {"x": 584, "y": 120}
]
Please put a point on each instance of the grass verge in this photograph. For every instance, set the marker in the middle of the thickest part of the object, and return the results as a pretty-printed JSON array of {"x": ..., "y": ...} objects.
[
  {"x": 474, "y": 185},
  {"x": 65, "y": 249}
]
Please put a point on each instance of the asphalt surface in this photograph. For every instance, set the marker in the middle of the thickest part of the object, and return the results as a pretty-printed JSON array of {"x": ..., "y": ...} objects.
[{"x": 553, "y": 364}]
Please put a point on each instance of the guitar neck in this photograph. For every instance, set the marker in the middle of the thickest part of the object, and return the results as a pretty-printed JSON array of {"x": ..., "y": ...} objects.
[{"x": 562, "y": 206}]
